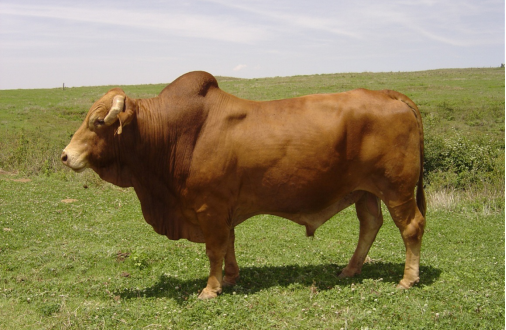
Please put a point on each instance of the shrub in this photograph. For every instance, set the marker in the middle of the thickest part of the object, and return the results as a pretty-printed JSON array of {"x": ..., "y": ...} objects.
[
  {"x": 456, "y": 161},
  {"x": 31, "y": 154}
]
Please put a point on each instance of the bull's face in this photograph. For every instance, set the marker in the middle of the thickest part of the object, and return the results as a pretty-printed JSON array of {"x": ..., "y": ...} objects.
[{"x": 91, "y": 144}]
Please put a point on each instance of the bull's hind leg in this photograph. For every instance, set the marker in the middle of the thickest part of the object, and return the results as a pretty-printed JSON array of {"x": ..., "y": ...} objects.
[
  {"x": 369, "y": 214},
  {"x": 411, "y": 224}
]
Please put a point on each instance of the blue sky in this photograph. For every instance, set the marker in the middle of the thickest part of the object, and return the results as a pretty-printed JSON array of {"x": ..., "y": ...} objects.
[{"x": 46, "y": 43}]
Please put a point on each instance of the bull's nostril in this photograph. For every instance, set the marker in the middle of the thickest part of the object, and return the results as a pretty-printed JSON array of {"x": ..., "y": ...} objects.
[{"x": 64, "y": 157}]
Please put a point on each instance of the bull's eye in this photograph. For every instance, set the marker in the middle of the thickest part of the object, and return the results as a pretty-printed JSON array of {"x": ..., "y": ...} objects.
[{"x": 99, "y": 122}]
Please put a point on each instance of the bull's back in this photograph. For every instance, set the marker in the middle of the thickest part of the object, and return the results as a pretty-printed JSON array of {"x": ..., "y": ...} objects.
[{"x": 317, "y": 131}]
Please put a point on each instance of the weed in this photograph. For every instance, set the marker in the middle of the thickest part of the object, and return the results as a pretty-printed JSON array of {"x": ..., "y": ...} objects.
[
  {"x": 447, "y": 110},
  {"x": 21, "y": 151},
  {"x": 139, "y": 260},
  {"x": 48, "y": 309}
]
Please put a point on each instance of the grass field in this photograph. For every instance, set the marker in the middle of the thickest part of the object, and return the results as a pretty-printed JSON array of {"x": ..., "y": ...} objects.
[{"x": 76, "y": 253}]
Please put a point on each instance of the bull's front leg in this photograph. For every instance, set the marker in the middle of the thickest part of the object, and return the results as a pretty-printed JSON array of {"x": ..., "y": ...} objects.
[
  {"x": 231, "y": 267},
  {"x": 217, "y": 243},
  {"x": 215, "y": 280}
]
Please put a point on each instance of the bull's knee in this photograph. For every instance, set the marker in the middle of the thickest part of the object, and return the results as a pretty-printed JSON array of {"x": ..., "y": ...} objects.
[{"x": 414, "y": 230}]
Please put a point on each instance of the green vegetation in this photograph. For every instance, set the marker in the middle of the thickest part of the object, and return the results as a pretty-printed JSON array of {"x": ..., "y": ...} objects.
[{"x": 75, "y": 252}]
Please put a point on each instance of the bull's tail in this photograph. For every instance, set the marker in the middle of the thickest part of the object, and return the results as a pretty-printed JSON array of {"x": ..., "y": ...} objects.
[{"x": 420, "y": 193}]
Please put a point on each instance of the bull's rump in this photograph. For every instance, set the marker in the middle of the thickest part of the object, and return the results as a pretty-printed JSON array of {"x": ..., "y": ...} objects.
[{"x": 304, "y": 154}]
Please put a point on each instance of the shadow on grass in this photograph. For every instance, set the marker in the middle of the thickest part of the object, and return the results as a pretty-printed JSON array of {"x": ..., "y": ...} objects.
[{"x": 255, "y": 279}]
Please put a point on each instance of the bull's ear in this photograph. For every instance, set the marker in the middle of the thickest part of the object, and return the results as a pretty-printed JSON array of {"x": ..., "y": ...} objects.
[{"x": 126, "y": 116}]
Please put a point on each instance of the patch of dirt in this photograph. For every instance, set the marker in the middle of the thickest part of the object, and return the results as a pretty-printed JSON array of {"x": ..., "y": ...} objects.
[
  {"x": 7, "y": 229},
  {"x": 121, "y": 256},
  {"x": 21, "y": 180},
  {"x": 69, "y": 200},
  {"x": 2, "y": 172}
]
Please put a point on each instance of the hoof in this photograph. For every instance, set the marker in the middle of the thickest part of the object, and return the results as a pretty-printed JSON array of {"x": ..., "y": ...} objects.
[
  {"x": 345, "y": 273},
  {"x": 406, "y": 284},
  {"x": 208, "y": 294},
  {"x": 342, "y": 275},
  {"x": 401, "y": 287}
]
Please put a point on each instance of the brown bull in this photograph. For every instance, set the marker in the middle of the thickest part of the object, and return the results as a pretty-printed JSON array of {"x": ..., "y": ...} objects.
[{"x": 202, "y": 161}]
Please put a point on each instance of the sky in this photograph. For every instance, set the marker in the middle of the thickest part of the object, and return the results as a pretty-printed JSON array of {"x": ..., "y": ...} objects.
[{"x": 47, "y": 43}]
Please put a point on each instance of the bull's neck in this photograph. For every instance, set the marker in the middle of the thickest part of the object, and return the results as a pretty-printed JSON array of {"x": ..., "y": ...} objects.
[{"x": 163, "y": 141}]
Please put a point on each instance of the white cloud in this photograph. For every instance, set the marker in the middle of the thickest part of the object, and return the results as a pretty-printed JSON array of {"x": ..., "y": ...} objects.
[
  {"x": 282, "y": 15},
  {"x": 170, "y": 20},
  {"x": 239, "y": 67},
  {"x": 451, "y": 22}
]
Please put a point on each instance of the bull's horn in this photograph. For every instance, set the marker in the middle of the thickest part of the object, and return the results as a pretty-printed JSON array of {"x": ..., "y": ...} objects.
[{"x": 117, "y": 106}]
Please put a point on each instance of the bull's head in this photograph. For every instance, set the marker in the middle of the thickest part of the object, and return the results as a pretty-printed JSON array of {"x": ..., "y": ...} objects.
[{"x": 91, "y": 144}]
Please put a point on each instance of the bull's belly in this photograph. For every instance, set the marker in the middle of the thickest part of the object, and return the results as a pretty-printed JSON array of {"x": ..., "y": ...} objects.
[
  {"x": 311, "y": 215},
  {"x": 313, "y": 220},
  {"x": 295, "y": 193}
]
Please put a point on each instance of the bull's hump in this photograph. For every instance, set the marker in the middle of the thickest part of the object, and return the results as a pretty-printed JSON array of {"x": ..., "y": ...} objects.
[{"x": 195, "y": 83}]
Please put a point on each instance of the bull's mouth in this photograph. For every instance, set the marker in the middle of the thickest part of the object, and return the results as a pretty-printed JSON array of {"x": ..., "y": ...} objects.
[{"x": 79, "y": 170}]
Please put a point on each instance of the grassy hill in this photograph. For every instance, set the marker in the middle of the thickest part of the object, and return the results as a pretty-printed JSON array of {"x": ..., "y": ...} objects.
[{"x": 76, "y": 253}]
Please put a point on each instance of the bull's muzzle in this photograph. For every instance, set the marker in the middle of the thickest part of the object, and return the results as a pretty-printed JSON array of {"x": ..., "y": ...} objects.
[
  {"x": 73, "y": 161},
  {"x": 64, "y": 158}
]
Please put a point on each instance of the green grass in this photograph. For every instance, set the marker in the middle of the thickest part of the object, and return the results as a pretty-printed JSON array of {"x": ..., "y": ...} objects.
[
  {"x": 84, "y": 258},
  {"x": 94, "y": 263}
]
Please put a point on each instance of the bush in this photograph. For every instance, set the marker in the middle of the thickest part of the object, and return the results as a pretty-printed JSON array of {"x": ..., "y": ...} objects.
[
  {"x": 457, "y": 161},
  {"x": 30, "y": 154}
]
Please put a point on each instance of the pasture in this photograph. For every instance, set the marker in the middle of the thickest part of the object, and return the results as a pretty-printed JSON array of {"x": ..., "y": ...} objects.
[{"x": 75, "y": 252}]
